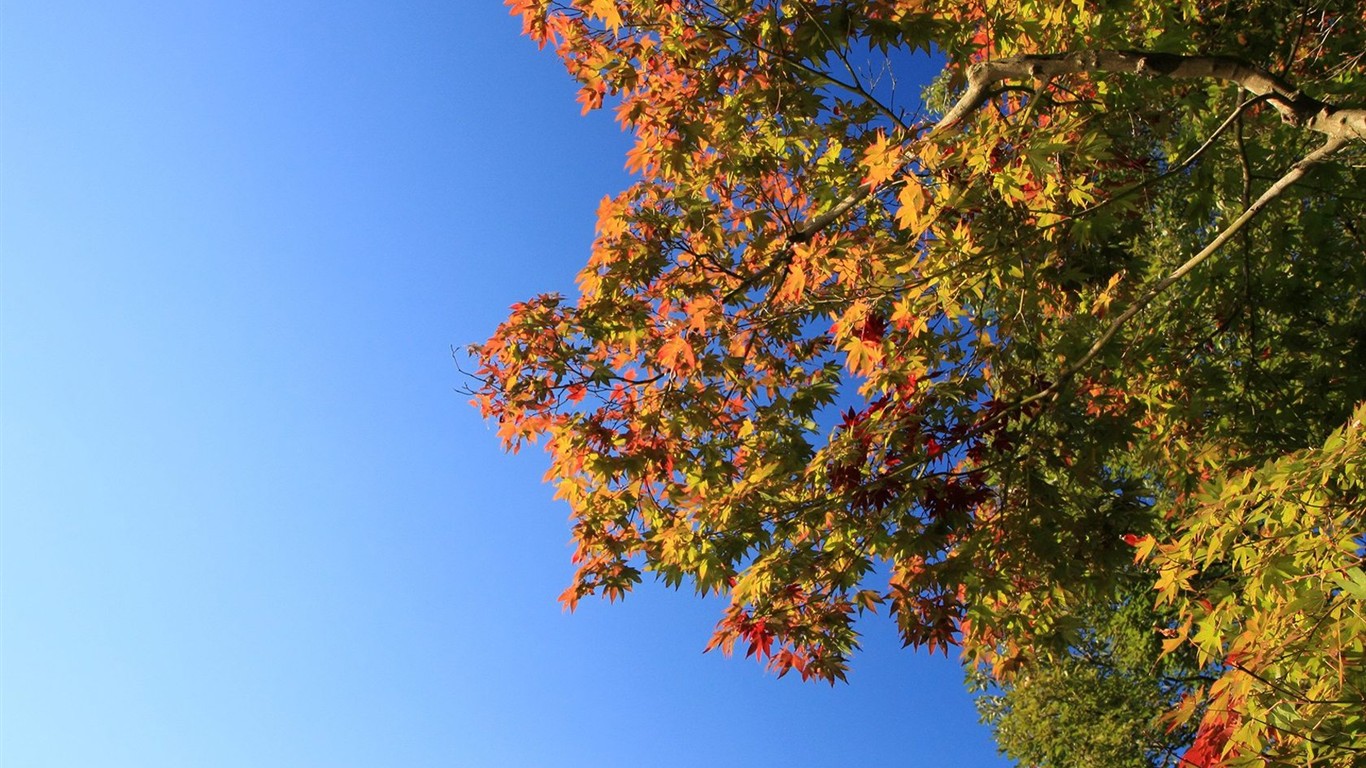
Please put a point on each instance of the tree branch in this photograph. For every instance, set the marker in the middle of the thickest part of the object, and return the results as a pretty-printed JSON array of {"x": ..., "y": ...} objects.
[
  {"x": 1232, "y": 119},
  {"x": 1336, "y": 122},
  {"x": 1296, "y": 172},
  {"x": 1296, "y": 108}
]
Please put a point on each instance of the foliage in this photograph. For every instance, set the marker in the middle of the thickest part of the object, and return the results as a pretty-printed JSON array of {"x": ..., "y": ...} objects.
[
  {"x": 1098, "y": 321},
  {"x": 1093, "y": 706}
]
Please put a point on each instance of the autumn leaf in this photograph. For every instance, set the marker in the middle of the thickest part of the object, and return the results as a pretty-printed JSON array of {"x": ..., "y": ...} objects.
[
  {"x": 911, "y": 216},
  {"x": 608, "y": 11},
  {"x": 862, "y": 356},
  {"x": 881, "y": 160}
]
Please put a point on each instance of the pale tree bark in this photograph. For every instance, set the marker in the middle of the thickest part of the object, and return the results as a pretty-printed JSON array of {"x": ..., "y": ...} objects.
[
  {"x": 1335, "y": 122},
  {"x": 1342, "y": 124}
]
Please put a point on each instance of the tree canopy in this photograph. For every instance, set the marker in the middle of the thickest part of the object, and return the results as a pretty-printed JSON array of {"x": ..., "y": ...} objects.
[{"x": 1062, "y": 366}]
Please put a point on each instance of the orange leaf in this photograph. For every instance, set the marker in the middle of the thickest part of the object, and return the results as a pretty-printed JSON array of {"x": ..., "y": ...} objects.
[{"x": 607, "y": 11}]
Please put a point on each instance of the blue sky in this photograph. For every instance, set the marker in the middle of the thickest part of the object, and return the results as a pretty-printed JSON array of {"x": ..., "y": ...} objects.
[{"x": 247, "y": 520}]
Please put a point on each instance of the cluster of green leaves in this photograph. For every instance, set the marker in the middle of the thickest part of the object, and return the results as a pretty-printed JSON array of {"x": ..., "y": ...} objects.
[
  {"x": 832, "y": 357},
  {"x": 1092, "y": 704},
  {"x": 1268, "y": 581}
]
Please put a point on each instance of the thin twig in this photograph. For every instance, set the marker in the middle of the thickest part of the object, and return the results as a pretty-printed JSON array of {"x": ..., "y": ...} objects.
[
  {"x": 1175, "y": 169},
  {"x": 1296, "y": 172}
]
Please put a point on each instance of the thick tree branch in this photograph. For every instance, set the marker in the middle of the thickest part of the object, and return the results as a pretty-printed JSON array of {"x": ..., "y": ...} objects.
[
  {"x": 1296, "y": 108},
  {"x": 1336, "y": 122}
]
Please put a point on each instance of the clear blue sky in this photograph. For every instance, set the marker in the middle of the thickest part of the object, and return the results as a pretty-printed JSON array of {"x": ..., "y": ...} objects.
[{"x": 247, "y": 519}]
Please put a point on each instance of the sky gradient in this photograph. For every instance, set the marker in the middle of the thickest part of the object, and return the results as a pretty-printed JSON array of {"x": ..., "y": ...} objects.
[{"x": 245, "y": 517}]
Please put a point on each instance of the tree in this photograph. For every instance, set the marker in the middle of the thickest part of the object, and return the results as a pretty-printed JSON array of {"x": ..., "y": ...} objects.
[
  {"x": 1096, "y": 318},
  {"x": 1093, "y": 707}
]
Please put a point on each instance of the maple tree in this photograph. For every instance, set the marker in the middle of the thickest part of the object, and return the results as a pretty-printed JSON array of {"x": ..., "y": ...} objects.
[
  {"x": 1094, "y": 707},
  {"x": 1087, "y": 331}
]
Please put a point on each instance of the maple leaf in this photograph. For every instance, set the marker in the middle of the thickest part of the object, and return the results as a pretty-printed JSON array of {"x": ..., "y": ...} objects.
[
  {"x": 1209, "y": 750},
  {"x": 914, "y": 204},
  {"x": 608, "y": 11},
  {"x": 881, "y": 160},
  {"x": 677, "y": 354},
  {"x": 862, "y": 355}
]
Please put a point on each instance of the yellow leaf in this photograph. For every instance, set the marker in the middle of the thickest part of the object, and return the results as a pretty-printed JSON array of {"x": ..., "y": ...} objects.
[
  {"x": 863, "y": 356},
  {"x": 914, "y": 203},
  {"x": 607, "y": 11},
  {"x": 1144, "y": 548},
  {"x": 905, "y": 318},
  {"x": 882, "y": 159}
]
